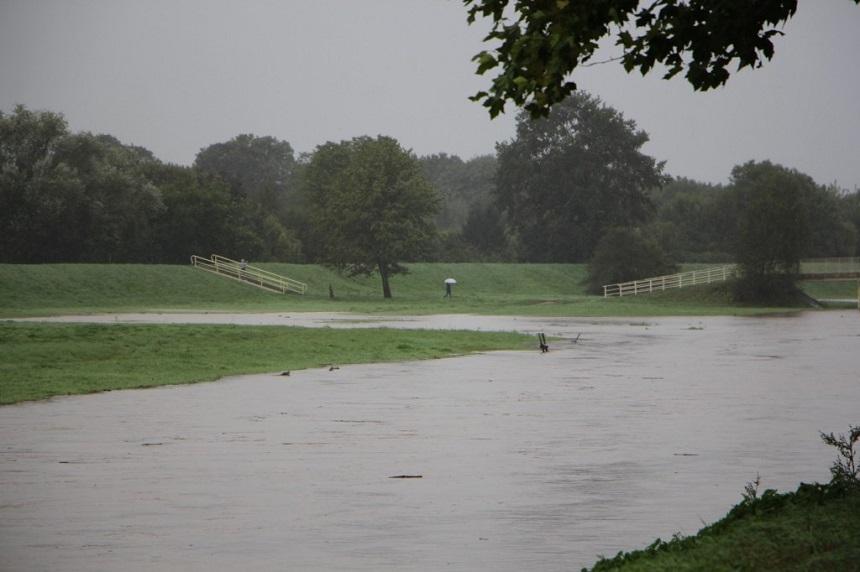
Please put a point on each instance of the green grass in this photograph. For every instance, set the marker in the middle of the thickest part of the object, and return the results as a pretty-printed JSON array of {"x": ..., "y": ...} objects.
[
  {"x": 837, "y": 289},
  {"x": 43, "y": 360},
  {"x": 815, "y": 528},
  {"x": 501, "y": 289}
]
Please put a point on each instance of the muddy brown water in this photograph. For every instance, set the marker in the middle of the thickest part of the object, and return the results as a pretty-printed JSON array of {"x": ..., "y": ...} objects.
[{"x": 644, "y": 428}]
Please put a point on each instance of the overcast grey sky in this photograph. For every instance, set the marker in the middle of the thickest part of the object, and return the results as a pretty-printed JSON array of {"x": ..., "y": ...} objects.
[{"x": 177, "y": 75}]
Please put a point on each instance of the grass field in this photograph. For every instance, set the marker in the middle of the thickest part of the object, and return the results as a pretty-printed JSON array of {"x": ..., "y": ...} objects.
[
  {"x": 503, "y": 289},
  {"x": 43, "y": 360},
  {"x": 841, "y": 289},
  {"x": 815, "y": 528}
]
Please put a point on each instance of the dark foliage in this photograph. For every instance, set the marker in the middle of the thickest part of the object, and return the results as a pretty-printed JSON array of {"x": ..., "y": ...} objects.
[
  {"x": 538, "y": 44},
  {"x": 772, "y": 230},
  {"x": 625, "y": 254},
  {"x": 553, "y": 192},
  {"x": 371, "y": 206},
  {"x": 845, "y": 470},
  {"x": 461, "y": 186},
  {"x": 485, "y": 232},
  {"x": 565, "y": 179}
]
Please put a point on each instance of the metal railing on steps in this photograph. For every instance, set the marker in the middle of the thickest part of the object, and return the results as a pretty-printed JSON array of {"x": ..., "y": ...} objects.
[{"x": 248, "y": 274}]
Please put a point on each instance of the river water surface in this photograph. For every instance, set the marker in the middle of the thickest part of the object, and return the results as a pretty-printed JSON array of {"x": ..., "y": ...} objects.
[{"x": 642, "y": 428}]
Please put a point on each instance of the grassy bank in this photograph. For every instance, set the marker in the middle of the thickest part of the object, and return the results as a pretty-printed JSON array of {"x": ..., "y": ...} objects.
[
  {"x": 43, "y": 360},
  {"x": 838, "y": 289},
  {"x": 511, "y": 289},
  {"x": 815, "y": 528}
]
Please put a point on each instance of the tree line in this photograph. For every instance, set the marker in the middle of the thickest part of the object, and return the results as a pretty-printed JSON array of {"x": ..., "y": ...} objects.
[{"x": 552, "y": 193}]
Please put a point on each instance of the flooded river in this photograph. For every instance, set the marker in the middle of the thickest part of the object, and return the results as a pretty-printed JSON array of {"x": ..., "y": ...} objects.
[{"x": 642, "y": 428}]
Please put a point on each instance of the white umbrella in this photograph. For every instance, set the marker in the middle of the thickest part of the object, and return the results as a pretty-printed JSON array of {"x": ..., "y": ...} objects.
[{"x": 450, "y": 281}]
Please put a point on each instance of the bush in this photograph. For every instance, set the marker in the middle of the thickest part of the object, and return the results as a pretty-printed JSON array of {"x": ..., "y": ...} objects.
[
  {"x": 845, "y": 470},
  {"x": 625, "y": 254},
  {"x": 766, "y": 289}
]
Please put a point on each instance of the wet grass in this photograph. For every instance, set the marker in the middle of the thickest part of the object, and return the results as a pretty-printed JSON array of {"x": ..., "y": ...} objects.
[
  {"x": 815, "y": 528},
  {"x": 837, "y": 289},
  {"x": 498, "y": 289},
  {"x": 44, "y": 360}
]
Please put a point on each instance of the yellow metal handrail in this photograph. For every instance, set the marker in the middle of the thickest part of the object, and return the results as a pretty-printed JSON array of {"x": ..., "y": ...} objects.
[{"x": 248, "y": 274}]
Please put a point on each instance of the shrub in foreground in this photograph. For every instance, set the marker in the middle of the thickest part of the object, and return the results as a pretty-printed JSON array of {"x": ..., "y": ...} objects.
[{"x": 817, "y": 527}]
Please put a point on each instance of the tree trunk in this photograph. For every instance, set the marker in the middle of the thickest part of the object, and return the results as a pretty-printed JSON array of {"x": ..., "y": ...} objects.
[{"x": 383, "y": 272}]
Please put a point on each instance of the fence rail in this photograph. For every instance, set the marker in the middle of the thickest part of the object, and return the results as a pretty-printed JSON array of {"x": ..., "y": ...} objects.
[
  {"x": 824, "y": 268},
  {"x": 247, "y": 274},
  {"x": 680, "y": 280}
]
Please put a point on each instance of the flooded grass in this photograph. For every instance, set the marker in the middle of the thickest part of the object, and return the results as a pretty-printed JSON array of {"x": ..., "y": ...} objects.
[{"x": 44, "y": 360}]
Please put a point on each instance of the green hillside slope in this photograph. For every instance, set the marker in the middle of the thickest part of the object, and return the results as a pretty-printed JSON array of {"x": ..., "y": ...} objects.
[{"x": 524, "y": 289}]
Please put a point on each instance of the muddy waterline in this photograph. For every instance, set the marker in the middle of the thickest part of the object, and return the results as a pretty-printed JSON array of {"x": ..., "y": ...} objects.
[{"x": 642, "y": 429}]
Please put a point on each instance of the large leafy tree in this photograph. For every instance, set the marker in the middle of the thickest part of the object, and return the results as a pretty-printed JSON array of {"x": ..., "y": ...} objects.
[
  {"x": 772, "y": 228},
  {"x": 28, "y": 141},
  {"x": 72, "y": 197},
  {"x": 563, "y": 180},
  {"x": 199, "y": 216},
  {"x": 485, "y": 232},
  {"x": 461, "y": 185},
  {"x": 691, "y": 220},
  {"x": 121, "y": 202},
  {"x": 832, "y": 232},
  {"x": 538, "y": 43},
  {"x": 252, "y": 166},
  {"x": 371, "y": 206},
  {"x": 261, "y": 173},
  {"x": 851, "y": 209}
]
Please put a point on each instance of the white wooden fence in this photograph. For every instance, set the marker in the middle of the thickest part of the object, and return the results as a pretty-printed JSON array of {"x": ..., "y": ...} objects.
[
  {"x": 837, "y": 268},
  {"x": 680, "y": 280}
]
